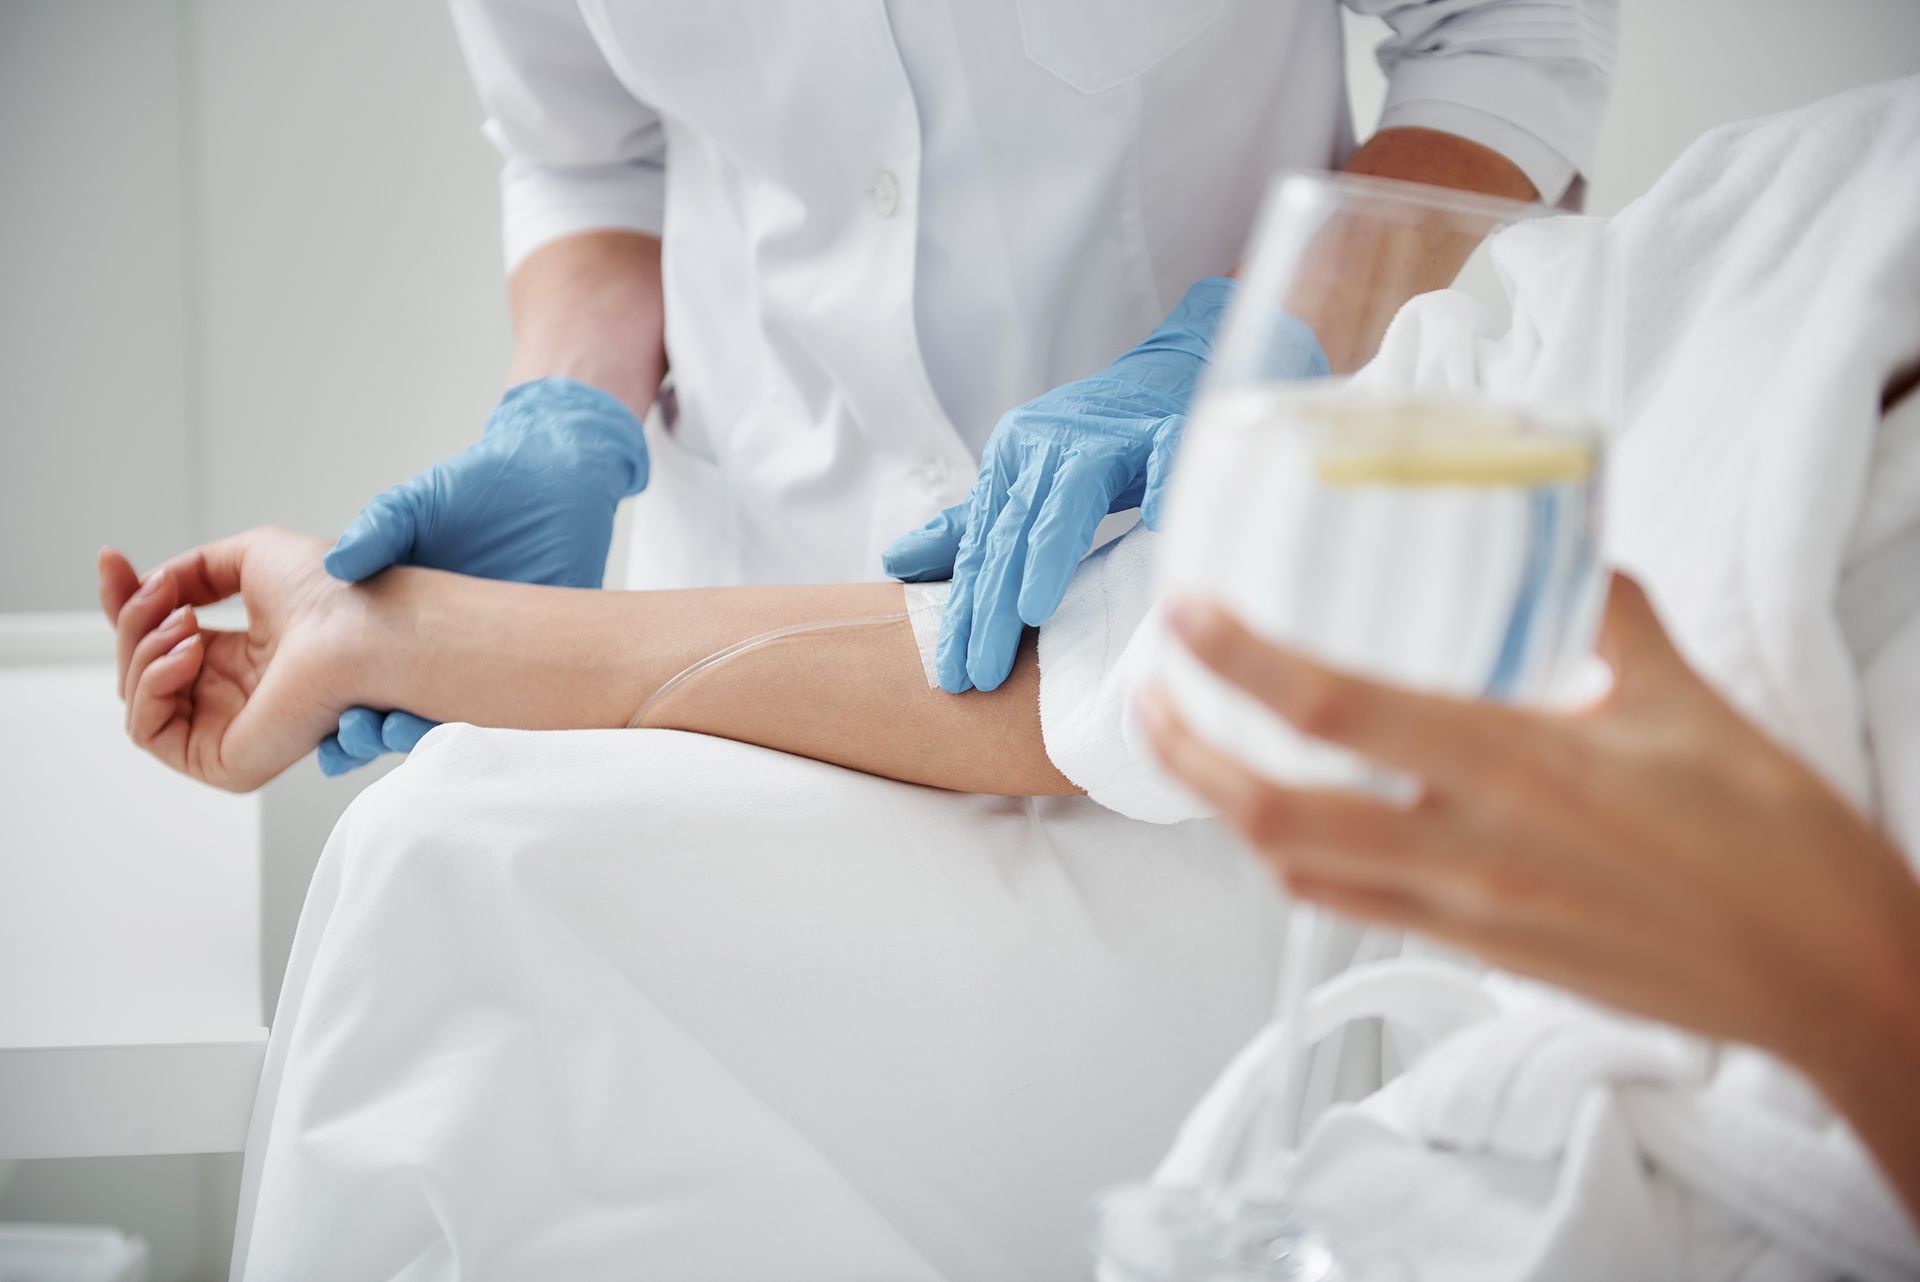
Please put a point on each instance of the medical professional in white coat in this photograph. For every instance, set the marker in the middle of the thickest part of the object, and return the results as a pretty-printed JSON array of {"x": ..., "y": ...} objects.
[{"x": 867, "y": 238}]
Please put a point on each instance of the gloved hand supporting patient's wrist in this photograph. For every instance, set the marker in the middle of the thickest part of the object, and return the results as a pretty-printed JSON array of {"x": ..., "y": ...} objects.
[{"x": 532, "y": 501}]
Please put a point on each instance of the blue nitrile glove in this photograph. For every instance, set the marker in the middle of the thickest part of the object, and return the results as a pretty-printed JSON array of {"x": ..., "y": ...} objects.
[
  {"x": 1052, "y": 469},
  {"x": 531, "y": 501}
]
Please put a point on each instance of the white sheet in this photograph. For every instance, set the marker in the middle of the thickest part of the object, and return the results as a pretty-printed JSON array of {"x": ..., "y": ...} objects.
[{"x": 607, "y": 1005}]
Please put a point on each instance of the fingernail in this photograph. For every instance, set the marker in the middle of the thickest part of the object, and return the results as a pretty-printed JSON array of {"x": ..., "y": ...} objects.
[
  {"x": 179, "y": 613},
  {"x": 184, "y": 643},
  {"x": 1183, "y": 616}
]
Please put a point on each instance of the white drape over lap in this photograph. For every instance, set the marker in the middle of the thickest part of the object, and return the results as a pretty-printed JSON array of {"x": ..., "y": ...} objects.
[{"x": 617, "y": 1004}]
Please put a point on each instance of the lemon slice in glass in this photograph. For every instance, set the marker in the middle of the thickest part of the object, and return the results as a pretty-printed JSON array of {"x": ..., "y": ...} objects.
[{"x": 1436, "y": 442}]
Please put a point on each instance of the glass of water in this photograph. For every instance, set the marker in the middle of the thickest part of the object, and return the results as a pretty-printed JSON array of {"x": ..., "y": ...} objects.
[{"x": 1426, "y": 513}]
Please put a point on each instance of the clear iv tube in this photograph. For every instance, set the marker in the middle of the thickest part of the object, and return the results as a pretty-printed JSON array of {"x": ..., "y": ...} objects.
[{"x": 738, "y": 648}]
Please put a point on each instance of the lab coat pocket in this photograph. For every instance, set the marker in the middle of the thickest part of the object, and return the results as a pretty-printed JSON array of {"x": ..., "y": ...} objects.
[{"x": 1095, "y": 45}]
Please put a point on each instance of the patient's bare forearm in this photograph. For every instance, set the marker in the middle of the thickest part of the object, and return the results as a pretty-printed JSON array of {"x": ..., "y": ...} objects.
[{"x": 505, "y": 654}]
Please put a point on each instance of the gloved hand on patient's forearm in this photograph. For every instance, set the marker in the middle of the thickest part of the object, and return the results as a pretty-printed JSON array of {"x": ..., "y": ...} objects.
[
  {"x": 1051, "y": 470},
  {"x": 532, "y": 501}
]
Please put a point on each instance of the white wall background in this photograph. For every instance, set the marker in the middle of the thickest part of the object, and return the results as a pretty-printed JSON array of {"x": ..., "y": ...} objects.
[{"x": 248, "y": 272}]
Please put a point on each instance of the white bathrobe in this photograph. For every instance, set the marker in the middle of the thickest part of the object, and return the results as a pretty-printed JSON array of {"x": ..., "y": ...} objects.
[
  {"x": 644, "y": 1004},
  {"x": 1772, "y": 282}
]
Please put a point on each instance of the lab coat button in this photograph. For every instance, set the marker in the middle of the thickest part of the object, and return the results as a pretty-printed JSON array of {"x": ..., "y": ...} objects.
[{"x": 885, "y": 193}]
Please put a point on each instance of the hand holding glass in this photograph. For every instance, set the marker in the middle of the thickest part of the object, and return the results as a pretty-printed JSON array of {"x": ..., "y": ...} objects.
[{"x": 1431, "y": 522}]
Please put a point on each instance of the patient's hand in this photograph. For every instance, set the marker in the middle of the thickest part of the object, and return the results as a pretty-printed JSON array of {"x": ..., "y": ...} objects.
[{"x": 232, "y": 709}]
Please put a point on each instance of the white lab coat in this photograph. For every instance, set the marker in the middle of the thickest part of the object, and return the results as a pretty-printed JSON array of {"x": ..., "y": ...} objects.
[{"x": 887, "y": 223}]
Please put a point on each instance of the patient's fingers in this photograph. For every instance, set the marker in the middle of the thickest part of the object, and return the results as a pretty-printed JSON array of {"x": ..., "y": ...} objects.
[
  {"x": 1296, "y": 828},
  {"x": 210, "y": 572},
  {"x": 142, "y": 612},
  {"x": 156, "y": 717},
  {"x": 1435, "y": 737},
  {"x": 1544, "y": 947},
  {"x": 200, "y": 576},
  {"x": 118, "y": 582},
  {"x": 173, "y": 629}
]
